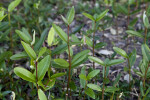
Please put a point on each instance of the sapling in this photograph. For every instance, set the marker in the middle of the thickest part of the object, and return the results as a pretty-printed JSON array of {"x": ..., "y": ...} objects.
[
  {"x": 107, "y": 63},
  {"x": 137, "y": 34},
  {"x": 65, "y": 37},
  {"x": 68, "y": 20},
  {"x": 130, "y": 59},
  {"x": 89, "y": 87},
  {"x": 144, "y": 71},
  {"x": 144, "y": 64},
  {"x": 40, "y": 67},
  {"x": 95, "y": 19}
]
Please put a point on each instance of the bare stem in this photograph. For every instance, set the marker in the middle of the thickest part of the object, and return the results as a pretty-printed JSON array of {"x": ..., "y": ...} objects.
[
  {"x": 93, "y": 44},
  {"x": 69, "y": 57},
  {"x": 104, "y": 84}
]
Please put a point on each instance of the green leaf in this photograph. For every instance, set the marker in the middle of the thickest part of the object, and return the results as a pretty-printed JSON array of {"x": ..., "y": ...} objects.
[
  {"x": 100, "y": 45},
  {"x": 145, "y": 52},
  {"x": 39, "y": 44},
  {"x": 74, "y": 38},
  {"x": 145, "y": 20},
  {"x": 23, "y": 36},
  {"x": 25, "y": 31},
  {"x": 19, "y": 19},
  {"x": 141, "y": 89},
  {"x": 96, "y": 60},
  {"x": 116, "y": 80},
  {"x": 132, "y": 57},
  {"x": 88, "y": 16},
  {"x": 88, "y": 41},
  {"x": 50, "y": 84},
  {"x": 2, "y": 16},
  {"x": 70, "y": 15},
  {"x": 65, "y": 20},
  {"x": 60, "y": 32},
  {"x": 82, "y": 81},
  {"x": 90, "y": 93},
  {"x": 57, "y": 65},
  {"x": 5, "y": 55},
  {"x": 115, "y": 62},
  {"x": 111, "y": 89},
  {"x": 13, "y": 4},
  {"x": 19, "y": 56},
  {"x": 42, "y": 51},
  {"x": 92, "y": 74},
  {"x": 29, "y": 50},
  {"x": 147, "y": 91},
  {"x": 71, "y": 52},
  {"x": 134, "y": 33},
  {"x": 41, "y": 95},
  {"x": 99, "y": 17},
  {"x": 122, "y": 9},
  {"x": 77, "y": 29},
  {"x": 61, "y": 62},
  {"x": 57, "y": 75},
  {"x": 25, "y": 74},
  {"x": 50, "y": 36},
  {"x": 60, "y": 49},
  {"x": 79, "y": 58},
  {"x": 120, "y": 52},
  {"x": 94, "y": 87},
  {"x": 72, "y": 85},
  {"x": 131, "y": 2},
  {"x": 42, "y": 67},
  {"x": 82, "y": 76}
]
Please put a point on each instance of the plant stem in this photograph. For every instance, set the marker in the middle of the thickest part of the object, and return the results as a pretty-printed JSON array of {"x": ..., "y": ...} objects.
[
  {"x": 145, "y": 76},
  {"x": 93, "y": 44},
  {"x": 129, "y": 72},
  {"x": 10, "y": 35},
  {"x": 69, "y": 57},
  {"x": 36, "y": 79},
  {"x": 84, "y": 89},
  {"x": 104, "y": 84}
]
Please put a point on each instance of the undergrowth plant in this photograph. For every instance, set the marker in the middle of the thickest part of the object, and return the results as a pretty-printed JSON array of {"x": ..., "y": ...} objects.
[
  {"x": 106, "y": 64},
  {"x": 130, "y": 59},
  {"x": 96, "y": 18},
  {"x": 39, "y": 66}
]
